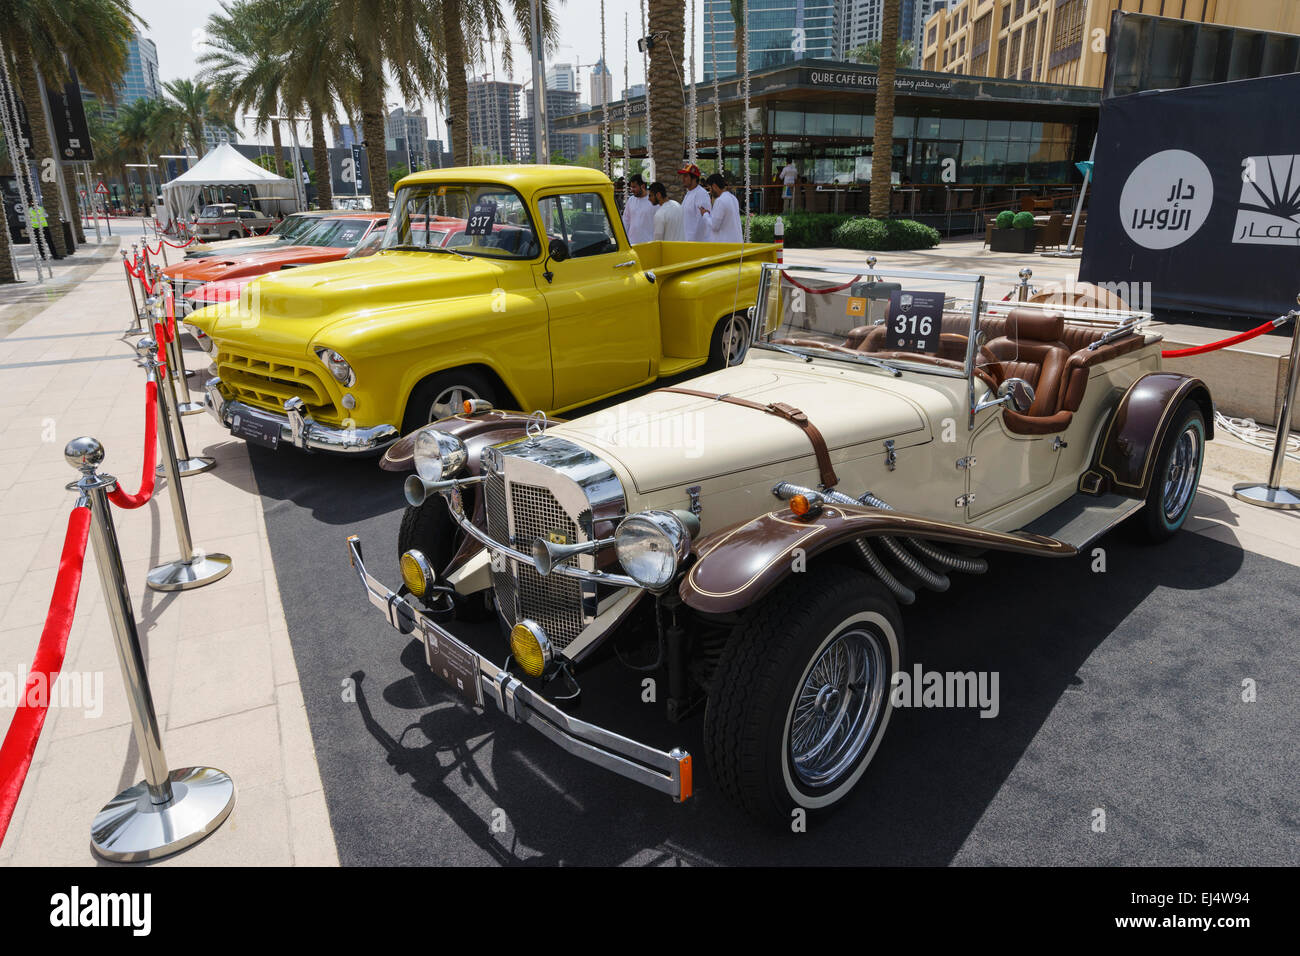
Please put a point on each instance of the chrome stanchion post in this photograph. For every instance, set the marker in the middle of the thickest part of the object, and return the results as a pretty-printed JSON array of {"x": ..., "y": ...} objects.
[
  {"x": 170, "y": 809},
  {"x": 186, "y": 464},
  {"x": 1025, "y": 275},
  {"x": 194, "y": 568},
  {"x": 176, "y": 361},
  {"x": 1274, "y": 494},
  {"x": 135, "y": 302}
]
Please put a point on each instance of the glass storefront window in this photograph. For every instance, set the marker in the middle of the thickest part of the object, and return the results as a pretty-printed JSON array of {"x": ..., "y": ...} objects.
[
  {"x": 1020, "y": 130},
  {"x": 847, "y": 123},
  {"x": 868, "y": 126},
  {"x": 903, "y": 127},
  {"x": 786, "y": 122},
  {"x": 928, "y": 127},
  {"x": 950, "y": 129},
  {"x": 818, "y": 124},
  {"x": 999, "y": 129}
]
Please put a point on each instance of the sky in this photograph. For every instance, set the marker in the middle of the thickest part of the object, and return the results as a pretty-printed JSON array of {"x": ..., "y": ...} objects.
[{"x": 176, "y": 26}]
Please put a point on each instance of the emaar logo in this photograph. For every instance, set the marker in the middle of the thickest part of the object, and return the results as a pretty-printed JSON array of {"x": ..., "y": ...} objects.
[
  {"x": 1166, "y": 199},
  {"x": 1269, "y": 212}
]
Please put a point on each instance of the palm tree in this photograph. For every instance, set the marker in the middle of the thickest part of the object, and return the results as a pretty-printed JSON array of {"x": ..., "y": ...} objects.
[
  {"x": 318, "y": 75},
  {"x": 404, "y": 35},
  {"x": 51, "y": 37},
  {"x": 882, "y": 153},
  {"x": 663, "y": 87},
  {"x": 244, "y": 64},
  {"x": 869, "y": 52},
  {"x": 193, "y": 98},
  {"x": 138, "y": 126}
]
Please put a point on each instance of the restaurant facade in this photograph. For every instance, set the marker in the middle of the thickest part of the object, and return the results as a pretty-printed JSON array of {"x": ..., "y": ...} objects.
[{"x": 961, "y": 145}]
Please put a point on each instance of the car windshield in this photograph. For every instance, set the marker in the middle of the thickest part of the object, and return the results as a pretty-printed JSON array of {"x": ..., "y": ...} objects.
[
  {"x": 292, "y": 228},
  {"x": 335, "y": 233},
  {"x": 216, "y": 212},
  {"x": 490, "y": 220},
  {"x": 367, "y": 246},
  {"x": 902, "y": 321}
]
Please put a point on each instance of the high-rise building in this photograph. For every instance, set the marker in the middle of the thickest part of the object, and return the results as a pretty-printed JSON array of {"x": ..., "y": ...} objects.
[
  {"x": 139, "y": 82},
  {"x": 780, "y": 31},
  {"x": 602, "y": 84},
  {"x": 562, "y": 76},
  {"x": 494, "y": 128},
  {"x": 1064, "y": 41},
  {"x": 214, "y": 136},
  {"x": 859, "y": 22},
  {"x": 558, "y": 103},
  {"x": 406, "y": 132}
]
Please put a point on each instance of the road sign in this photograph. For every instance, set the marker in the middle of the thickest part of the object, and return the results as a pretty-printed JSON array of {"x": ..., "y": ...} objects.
[{"x": 101, "y": 189}]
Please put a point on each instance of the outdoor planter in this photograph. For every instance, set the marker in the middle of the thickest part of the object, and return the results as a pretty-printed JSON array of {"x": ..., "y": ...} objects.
[{"x": 1013, "y": 240}]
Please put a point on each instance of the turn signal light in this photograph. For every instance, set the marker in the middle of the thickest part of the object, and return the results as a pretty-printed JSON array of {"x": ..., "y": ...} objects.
[
  {"x": 806, "y": 506},
  {"x": 530, "y": 648},
  {"x": 417, "y": 574}
]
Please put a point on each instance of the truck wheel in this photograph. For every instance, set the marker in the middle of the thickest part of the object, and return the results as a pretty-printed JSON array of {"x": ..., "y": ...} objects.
[
  {"x": 1176, "y": 476},
  {"x": 730, "y": 341},
  {"x": 429, "y": 528},
  {"x": 443, "y": 394},
  {"x": 232, "y": 235},
  {"x": 801, "y": 696}
]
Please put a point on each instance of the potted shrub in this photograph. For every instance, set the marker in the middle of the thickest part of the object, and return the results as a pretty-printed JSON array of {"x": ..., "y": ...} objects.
[{"x": 1013, "y": 232}]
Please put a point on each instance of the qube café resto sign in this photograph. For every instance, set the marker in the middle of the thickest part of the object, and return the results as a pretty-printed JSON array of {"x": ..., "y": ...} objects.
[
  {"x": 1198, "y": 194},
  {"x": 854, "y": 80}
]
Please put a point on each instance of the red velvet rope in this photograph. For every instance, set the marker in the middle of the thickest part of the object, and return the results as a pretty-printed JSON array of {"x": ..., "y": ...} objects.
[
  {"x": 1222, "y": 343},
  {"x": 25, "y": 729},
  {"x": 177, "y": 245},
  {"x": 117, "y": 495},
  {"x": 835, "y": 288}
]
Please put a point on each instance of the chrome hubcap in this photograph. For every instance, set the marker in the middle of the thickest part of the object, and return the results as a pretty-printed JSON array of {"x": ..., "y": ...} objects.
[
  {"x": 450, "y": 401},
  {"x": 1180, "y": 480},
  {"x": 838, "y": 706},
  {"x": 735, "y": 336}
]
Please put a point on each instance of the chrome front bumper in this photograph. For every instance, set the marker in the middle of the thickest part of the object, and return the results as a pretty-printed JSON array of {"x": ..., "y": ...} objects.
[
  {"x": 297, "y": 428},
  {"x": 668, "y": 772}
]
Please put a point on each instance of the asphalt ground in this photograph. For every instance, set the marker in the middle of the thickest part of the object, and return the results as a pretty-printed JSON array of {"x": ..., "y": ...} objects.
[{"x": 1120, "y": 691}]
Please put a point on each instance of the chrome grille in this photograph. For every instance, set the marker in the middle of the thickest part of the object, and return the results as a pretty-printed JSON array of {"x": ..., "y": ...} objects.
[
  {"x": 555, "y": 602},
  {"x": 503, "y": 576},
  {"x": 267, "y": 383}
]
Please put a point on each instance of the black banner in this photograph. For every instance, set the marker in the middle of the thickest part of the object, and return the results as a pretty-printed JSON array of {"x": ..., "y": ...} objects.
[
  {"x": 1197, "y": 198},
  {"x": 68, "y": 115}
]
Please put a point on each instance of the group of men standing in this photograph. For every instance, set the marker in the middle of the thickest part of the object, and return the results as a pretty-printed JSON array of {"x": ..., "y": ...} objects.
[{"x": 708, "y": 213}]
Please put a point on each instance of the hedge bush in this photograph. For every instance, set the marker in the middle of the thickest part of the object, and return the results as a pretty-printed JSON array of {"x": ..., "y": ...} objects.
[
  {"x": 884, "y": 235},
  {"x": 805, "y": 230},
  {"x": 1023, "y": 220},
  {"x": 1004, "y": 219}
]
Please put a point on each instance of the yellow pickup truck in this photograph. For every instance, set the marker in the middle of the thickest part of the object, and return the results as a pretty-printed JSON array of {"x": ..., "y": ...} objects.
[{"x": 535, "y": 301}]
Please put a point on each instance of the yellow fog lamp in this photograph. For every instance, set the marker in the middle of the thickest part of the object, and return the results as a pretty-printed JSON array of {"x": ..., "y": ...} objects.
[
  {"x": 417, "y": 573},
  {"x": 531, "y": 648}
]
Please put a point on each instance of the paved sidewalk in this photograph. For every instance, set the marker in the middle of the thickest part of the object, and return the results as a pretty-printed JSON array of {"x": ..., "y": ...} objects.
[{"x": 225, "y": 684}]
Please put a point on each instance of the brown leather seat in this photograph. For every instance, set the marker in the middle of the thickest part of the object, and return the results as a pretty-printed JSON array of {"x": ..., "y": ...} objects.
[{"x": 1032, "y": 349}]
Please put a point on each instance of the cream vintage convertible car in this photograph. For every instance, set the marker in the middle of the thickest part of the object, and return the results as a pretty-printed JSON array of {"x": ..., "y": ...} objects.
[{"x": 759, "y": 528}]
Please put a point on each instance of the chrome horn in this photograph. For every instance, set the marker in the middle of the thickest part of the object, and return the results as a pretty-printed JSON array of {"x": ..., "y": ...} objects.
[{"x": 547, "y": 554}]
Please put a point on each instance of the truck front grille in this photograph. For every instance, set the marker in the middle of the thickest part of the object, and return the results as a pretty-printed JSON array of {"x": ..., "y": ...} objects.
[
  {"x": 268, "y": 383},
  {"x": 554, "y": 602}
]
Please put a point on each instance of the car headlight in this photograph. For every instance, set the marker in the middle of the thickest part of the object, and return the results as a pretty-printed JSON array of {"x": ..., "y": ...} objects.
[
  {"x": 438, "y": 455},
  {"x": 338, "y": 367},
  {"x": 651, "y": 547}
]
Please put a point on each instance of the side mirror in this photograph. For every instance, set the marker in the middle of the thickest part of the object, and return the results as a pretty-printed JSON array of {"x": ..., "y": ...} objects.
[
  {"x": 558, "y": 250},
  {"x": 1017, "y": 393}
]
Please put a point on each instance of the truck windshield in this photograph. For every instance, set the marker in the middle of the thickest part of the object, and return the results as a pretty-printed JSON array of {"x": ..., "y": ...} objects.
[{"x": 483, "y": 219}]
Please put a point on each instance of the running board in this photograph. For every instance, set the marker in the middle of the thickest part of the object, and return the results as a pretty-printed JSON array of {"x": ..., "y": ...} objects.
[{"x": 1082, "y": 519}]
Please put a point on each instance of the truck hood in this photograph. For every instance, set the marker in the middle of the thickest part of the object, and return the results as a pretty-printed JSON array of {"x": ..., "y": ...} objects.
[
  {"x": 665, "y": 439},
  {"x": 284, "y": 311},
  {"x": 250, "y": 262}
]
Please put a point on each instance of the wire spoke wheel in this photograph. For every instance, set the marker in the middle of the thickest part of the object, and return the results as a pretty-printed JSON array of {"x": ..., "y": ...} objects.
[
  {"x": 838, "y": 705},
  {"x": 1180, "y": 478}
]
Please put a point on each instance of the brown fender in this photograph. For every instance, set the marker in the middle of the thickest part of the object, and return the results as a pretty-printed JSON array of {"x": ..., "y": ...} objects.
[
  {"x": 738, "y": 566},
  {"x": 1126, "y": 453},
  {"x": 475, "y": 430}
]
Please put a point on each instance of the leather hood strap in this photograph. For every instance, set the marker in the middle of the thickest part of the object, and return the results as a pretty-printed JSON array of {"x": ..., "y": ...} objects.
[{"x": 780, "y": 410}]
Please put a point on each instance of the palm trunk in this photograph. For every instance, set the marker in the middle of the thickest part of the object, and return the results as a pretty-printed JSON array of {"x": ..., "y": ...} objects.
[
  {"x": 457, "y": 88},
  {"x": 7, "y": 273},
  {"x": 196, "y": 134},
  {"x": 372, "y": 130},
  {"x": 666, "y": 17},
  {"x": 882, "y": 151},
  {"x": 320, "y": 158},
  {"x": 277, "y": 149},
  {"x": 29, "y": 90}
]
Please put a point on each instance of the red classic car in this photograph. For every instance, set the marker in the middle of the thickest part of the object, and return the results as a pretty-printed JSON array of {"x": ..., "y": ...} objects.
[{"x": 330, "y": 239}]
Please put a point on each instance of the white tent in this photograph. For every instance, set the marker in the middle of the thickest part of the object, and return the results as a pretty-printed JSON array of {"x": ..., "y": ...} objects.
[{"x": 224, "y": 166}]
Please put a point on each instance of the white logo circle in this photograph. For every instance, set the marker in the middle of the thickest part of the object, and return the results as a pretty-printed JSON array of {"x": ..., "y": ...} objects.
[{"x": 1167, "y": 199}]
